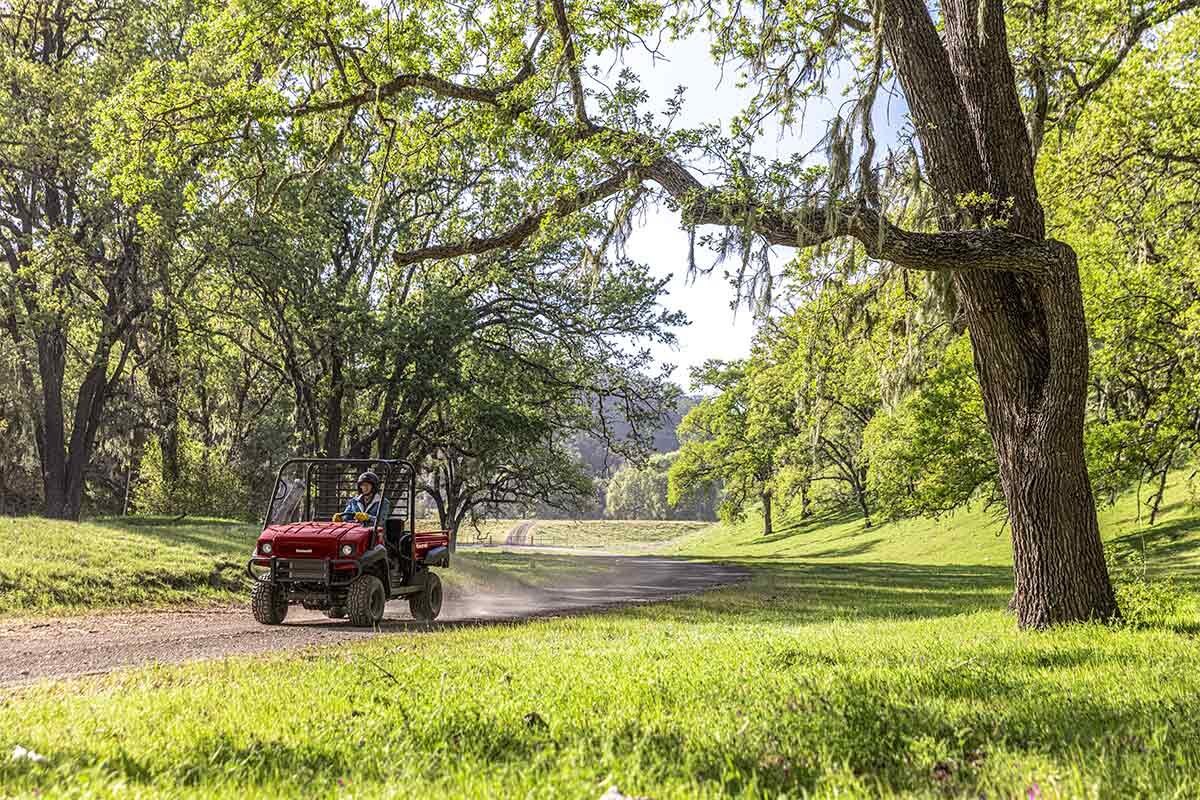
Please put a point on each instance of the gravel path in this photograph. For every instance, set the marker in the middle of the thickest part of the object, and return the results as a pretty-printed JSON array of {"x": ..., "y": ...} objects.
[
  {"x": 519, "y": 533},
  {"x": 32, "y": 650}
]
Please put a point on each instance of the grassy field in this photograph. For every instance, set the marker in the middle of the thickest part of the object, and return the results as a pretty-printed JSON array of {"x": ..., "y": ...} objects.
[
  {"x": 975, "y": 536},
  {"x": 49, "y": 565},
  {"x": 855, "y": 663}
]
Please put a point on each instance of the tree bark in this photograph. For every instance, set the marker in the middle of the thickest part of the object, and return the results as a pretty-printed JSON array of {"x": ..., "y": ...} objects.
[
  {"x": 1028, "y": 333},
  {"x": 52, "y": 445},
  {"x": 165, "y": 375},
  {"x": 860, "y": 493},
  {"x": 333, "y": 408},
  {"x": 766, "y": 513},
  {"x": 1157, "y": 498},
  {"x": 1034, "y": 389}
]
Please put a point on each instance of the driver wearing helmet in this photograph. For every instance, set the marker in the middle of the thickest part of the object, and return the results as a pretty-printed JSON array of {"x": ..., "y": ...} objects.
[{"x": 368, "y": 506}]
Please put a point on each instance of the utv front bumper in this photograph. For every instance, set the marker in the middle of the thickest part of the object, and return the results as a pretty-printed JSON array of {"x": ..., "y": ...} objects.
[{"x": 295, "y": 573}]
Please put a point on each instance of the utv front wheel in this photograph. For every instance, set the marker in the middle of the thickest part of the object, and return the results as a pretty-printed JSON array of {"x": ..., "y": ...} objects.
[
  {"x": 269, "y": 603},
  {"x": 365, "y": 601},
  {"x": 426, "y": 604}
]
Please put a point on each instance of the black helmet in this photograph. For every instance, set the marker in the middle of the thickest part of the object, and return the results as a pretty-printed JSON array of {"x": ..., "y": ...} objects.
[{"x": 369, "y": 477}]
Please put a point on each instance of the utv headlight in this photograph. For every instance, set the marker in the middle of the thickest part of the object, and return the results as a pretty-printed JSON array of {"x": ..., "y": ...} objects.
[
  {"x": 347, "y": 549},
  {"x": 266, "y": 548}
]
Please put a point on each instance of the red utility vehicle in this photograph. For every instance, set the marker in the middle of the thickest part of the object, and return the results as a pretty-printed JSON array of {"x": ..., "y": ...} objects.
[{"x": 346, "y": 569}]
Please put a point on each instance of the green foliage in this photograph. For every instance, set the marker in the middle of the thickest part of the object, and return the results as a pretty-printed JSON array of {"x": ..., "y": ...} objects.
[
  {"x": 723, "y": 443},
  {"x": 932, "y": 453},
  {"x": 208, "y": 485},
  {"x": 242, "y": 176},
  {"x": 1122, "y": 188},
  {"x": 638, "y": 492},
  {"x": 641, "y": 492},
  {"x": 1146, "y": 599}
]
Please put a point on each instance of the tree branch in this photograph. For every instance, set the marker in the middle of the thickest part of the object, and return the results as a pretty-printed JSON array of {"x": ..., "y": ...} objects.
[
  {"x": 430, "y": 82},
  {"x": 398, "y": 84},
  {"x": 577, "y": 94},
  {"x": 522, "y": 230},
  {"x": 806, "y": 226},
  {"x": 1138, "y": 26}
]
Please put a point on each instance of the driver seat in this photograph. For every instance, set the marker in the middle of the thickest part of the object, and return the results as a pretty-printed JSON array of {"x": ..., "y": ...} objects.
[{"x": 395, "y": 536}]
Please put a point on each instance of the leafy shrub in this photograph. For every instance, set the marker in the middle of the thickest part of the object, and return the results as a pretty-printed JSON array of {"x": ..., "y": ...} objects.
[
  {"x": 208, "y": 485},
  {"x": 1144, "y": 601}
]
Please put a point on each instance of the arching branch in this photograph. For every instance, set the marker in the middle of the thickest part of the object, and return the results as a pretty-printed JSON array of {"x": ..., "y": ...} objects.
[{"x": 804, "y": 226}]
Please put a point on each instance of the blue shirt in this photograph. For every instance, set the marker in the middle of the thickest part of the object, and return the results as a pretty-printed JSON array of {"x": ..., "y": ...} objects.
[{"x": 377, "y": 508}]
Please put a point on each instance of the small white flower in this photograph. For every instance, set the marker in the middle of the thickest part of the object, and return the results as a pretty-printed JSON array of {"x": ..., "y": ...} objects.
[{"x": 25, "y": 754}]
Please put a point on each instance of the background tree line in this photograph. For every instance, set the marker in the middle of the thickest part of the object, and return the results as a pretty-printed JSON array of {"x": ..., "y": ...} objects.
[{"x": 181, "y": 318}]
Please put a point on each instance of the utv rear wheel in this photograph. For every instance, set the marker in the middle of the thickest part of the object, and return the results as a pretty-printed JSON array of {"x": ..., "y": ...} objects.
[
  {"x": 365, "y": 601},
  {"x": 426, "y": 604},
  {"x": 269, "y": 603}
]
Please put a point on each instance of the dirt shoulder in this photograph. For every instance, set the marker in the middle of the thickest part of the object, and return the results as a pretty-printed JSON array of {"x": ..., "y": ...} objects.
[{"x": 36, "y": 649}]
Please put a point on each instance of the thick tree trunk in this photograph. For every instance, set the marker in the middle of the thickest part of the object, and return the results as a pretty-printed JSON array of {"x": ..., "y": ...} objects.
[
  {"x": 166, "y": 377},
  {"x": 766, "y": 514},
  {"x": 52, "y": 445},
  {"x": 333, "y": 409},
  {"x": 1031, "y": 353}
]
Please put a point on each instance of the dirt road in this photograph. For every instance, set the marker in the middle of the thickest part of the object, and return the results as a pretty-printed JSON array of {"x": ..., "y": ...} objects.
[
  {"x": 519, "y": 535},
  {"x": 31, "y": 650}
]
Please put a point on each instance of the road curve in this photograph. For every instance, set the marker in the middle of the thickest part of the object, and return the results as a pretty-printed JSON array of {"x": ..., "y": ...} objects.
[
  {"x": 32, "y": 650},
  {"x": 519, "y": 534}
]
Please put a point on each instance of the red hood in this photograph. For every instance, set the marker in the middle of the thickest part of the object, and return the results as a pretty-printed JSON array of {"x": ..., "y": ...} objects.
[{"x": 313, "y": 539}]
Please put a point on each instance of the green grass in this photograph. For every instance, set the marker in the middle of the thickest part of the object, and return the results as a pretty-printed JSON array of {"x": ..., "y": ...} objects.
[
  {"x": 854, "y": 664},
  {"x": 607, "y": 534},
  {"x": 53, "y": 566},
  {"x": 974, "y": 536},
  {"x": 615, "y": 535}
]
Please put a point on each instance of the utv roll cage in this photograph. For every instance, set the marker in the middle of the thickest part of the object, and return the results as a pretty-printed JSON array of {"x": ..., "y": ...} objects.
[{"x": 327, "y": 483}]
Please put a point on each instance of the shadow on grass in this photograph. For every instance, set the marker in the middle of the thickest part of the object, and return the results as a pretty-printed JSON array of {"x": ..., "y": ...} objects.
[
  {"x": 209, "y": 535},
  {"x": 1168, "y": 541},
  {"x": 858, "y": 549},
  {"x": 802, "y": 592},
  {"x": 800, "y": 527}
]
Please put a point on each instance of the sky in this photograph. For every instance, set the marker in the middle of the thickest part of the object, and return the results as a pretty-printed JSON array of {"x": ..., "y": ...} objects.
[{"x": 716, "y": 330}]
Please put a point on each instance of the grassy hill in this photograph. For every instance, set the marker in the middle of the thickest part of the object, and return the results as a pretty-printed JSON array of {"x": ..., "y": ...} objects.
[
  {"x": 975, "y": 536},
  {"x": 855, "y": 663},
  {"x": 50, "y": 565}
]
